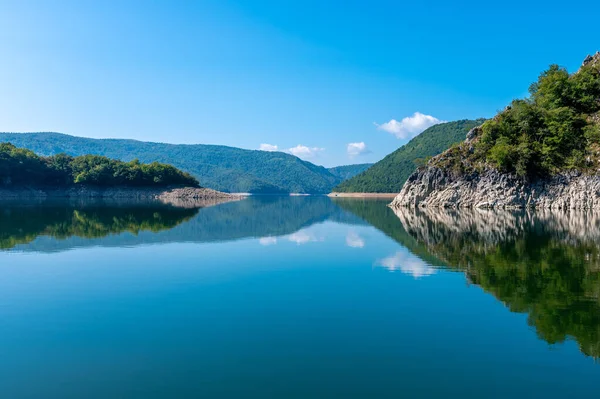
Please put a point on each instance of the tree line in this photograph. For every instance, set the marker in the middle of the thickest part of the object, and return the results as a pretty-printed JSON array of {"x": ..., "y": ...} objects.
[{"x": 22, "y": 167}]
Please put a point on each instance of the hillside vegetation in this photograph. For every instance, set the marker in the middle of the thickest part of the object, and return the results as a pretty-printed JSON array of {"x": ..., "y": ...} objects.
[
  {"x": 22, "y": 167},
  {"x": 218, "y": 167},
  {"x": 556, "y": 128},
  {"x": 389, "y": 174},
  {"x": 346, "y": 172}
]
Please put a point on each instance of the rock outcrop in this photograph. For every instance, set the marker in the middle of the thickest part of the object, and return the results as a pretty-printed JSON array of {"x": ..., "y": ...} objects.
[
  {"x": 434, "y": 186},
  {"x": 191, "y": 197},
  {"x": 593, "y": 60}
]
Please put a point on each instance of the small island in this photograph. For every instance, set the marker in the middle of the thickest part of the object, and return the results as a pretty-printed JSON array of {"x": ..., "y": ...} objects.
[
  {"x": 540, "y": 152},
  {"x": 24, "y": 174}
]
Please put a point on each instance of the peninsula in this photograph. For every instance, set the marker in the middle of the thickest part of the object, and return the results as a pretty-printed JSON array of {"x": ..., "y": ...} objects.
[
  {"x": 539, "y": 152},
  {"x": 24, "y": 174}
]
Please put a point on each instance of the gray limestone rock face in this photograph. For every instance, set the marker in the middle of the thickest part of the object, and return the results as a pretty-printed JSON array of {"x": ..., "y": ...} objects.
[{"x": 435, "y": 187}]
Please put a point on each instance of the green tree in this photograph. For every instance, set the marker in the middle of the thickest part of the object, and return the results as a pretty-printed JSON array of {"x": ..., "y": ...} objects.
[{"x": 551, "y": 130}]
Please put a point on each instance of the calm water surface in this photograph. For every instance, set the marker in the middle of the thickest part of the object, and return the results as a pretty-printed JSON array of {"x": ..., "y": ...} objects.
[{"x": 296, "y": 298}]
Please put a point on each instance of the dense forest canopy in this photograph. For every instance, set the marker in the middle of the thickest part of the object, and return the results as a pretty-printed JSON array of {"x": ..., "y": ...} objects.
[
  {"x": 556, "y": 128},
  {"x": 22, "y": 167},
  {"x": 389, "y": 174}
]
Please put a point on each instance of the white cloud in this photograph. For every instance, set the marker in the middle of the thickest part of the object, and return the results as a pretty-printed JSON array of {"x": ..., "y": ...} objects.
[
  {"x": 355, "y": 149},
  {"x": 268, "y": 147},
  {"x": 407, "y": 263},
  {"x": 268, "y": 241},
  {"x": 304, "y": 152},
  {"x": 410, "y": 126},
  {"x": 354, "y": 240}
]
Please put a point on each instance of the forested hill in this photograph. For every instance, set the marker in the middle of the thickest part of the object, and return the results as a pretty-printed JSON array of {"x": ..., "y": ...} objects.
[
  {"x": 346, "y": 172},
  {"x": 553, "y": 130},
  {"x": 20, "y": 167},
  {"x": 389, "y": 174},
  {"x": 218, "y": 167}
]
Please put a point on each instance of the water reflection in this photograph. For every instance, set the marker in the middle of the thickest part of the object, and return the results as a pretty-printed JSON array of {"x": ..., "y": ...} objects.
[
  {"x": 545, "y": 264},
  {"x": 303, "y": 237},
  {"x": 353, "y": 240},
  {"x": 266, "y": 241},
  {"x": 406, "y": 263},
  {"x": 35, "y": 227},
  {"x": 376, "y": 213},
  {"x": 22, "y": 224}
]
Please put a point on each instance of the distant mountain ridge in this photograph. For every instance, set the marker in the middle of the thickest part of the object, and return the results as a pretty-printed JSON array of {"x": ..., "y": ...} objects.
[
  {"x": 345, "y": 172},
  {"x": 218, "y": 167},
  {"x": 389, "y": 174}
]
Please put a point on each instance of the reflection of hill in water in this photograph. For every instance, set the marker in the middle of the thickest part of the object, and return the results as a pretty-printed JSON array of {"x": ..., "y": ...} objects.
[
  {"x": 21, "y": 224},
  {"x": 545, "y": 264},
  {"x": 251, "y": 217}
]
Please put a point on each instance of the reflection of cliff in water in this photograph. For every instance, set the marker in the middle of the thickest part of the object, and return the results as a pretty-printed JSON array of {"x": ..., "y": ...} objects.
[
  {"x": 251, "y": 217},
  {"x": 545, "y": 264}
]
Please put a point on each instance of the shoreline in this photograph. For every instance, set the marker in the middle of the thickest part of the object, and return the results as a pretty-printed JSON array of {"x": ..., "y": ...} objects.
[
  {"x": 362, "y": 195},
  {"x": 176, "y": 196}
]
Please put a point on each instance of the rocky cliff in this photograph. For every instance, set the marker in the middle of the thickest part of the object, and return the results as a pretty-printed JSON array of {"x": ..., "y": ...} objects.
[{"x": 435, "y": 186}]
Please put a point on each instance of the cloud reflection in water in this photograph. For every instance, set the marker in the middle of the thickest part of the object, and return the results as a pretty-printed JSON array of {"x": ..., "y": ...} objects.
[{"x": 406, "y": 263}]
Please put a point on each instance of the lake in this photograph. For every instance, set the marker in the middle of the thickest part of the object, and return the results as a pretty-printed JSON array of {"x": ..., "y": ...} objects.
[{"x": 296, "y": 297}]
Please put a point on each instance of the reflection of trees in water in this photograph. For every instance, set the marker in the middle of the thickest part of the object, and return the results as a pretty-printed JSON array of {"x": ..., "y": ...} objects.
[
  {"x": 545, "y": 264},
  {"x": 22, "y": 224},
  {"x": 261, "y": 216}
]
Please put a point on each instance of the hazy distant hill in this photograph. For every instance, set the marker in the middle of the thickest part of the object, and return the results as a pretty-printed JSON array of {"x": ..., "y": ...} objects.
[
  {"x": 389, "y": 174},
  {"x": 219, "y": 167},
  {"x": 348, "y": 171}
]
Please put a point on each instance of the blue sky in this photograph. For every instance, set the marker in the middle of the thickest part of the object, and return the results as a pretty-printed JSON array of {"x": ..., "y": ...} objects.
[{"x": 306, "y": 76}]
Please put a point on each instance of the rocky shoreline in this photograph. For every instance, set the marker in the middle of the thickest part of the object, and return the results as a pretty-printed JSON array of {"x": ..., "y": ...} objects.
[
  {"x": 177, "y": 196},
  {"x": 361, "y": 195},
  {"x": 435, "y": 187}
]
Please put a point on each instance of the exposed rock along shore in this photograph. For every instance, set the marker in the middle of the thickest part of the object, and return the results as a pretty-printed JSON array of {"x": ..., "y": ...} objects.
[
  {"x": 177, "y": 196},
  {"x": 361, "y": 195},
  {"x": 433, "y": 186}
]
